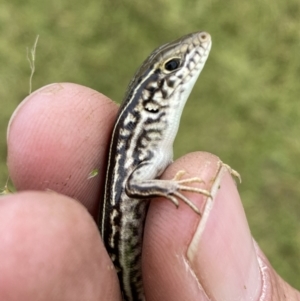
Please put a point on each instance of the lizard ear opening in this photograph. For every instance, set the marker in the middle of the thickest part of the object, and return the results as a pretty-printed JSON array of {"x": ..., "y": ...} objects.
[{"x": 152, "y": 108}]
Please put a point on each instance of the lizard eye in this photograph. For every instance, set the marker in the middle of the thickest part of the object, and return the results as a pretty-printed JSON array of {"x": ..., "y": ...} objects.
[{"x": 172, "y": 64}]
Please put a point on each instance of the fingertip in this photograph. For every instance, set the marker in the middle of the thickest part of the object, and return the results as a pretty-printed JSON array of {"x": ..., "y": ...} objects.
[
  {"x": 56, "y": 137},
  {"x": 51, "y": 247},
  {"x": 168, "y": 233}
]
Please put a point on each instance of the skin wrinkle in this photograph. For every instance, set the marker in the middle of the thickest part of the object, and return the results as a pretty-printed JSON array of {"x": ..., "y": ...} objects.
[
  {"x": 190, "y": 270},
  {"x": 265, "y": 277}
]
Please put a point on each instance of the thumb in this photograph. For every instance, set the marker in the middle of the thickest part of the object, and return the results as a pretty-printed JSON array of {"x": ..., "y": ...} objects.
[
  {"x": 223, "y": 260},
  {"x": 226, "y": 260}
]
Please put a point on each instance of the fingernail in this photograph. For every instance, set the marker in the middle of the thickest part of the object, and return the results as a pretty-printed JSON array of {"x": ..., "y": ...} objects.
[{"x": 222, "y": 253}]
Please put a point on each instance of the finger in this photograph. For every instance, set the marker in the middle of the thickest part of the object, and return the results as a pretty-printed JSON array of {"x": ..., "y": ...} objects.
[
  {"x": 50, "y": 250},
  {"x": 57, "y": 137},
  {"x": 212, "y": 257}
]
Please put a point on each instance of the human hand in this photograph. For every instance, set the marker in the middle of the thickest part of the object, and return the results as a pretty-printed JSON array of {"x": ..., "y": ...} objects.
[{"x": 50, "y": 246}]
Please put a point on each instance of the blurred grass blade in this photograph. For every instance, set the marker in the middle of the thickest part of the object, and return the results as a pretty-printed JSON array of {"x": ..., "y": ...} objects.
[{"x": 31, "y": 60}]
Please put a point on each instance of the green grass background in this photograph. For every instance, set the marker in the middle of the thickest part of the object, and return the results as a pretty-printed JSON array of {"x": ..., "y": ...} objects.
[{"x": 245, "y": 107}]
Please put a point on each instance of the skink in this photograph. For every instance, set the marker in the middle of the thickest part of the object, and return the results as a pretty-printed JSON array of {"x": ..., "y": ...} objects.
[{"x": 142, "y": 147}]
